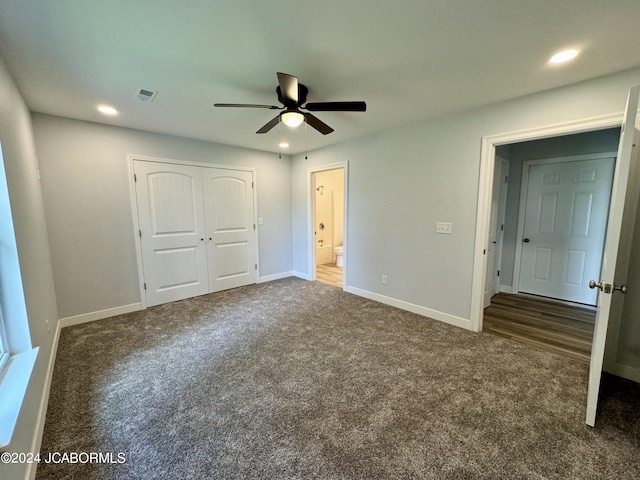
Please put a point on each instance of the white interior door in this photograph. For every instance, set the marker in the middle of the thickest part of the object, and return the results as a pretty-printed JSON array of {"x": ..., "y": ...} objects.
[
  {"x": 496, "y": 229},
  {"x": 231, "y": 234},
  {"x": 565, "y": 219},
  {"x": 617, "y": 250},
  {"x": 170, "y": 212}
]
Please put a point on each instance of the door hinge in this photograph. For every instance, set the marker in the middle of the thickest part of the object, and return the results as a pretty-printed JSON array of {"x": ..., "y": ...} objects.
[
  {"x": 498, "y": 273},
  {"x": 145, "y": 286},
  {"x": 502, "y": 227},
  {"x": 484, "y": 252},
  {"x": 254, "y": 226},
  {"x": 135, "y": 179},
  {"x": 140, "y": 233},
  {"x": 256, "y": 266},
  {"x": 252, "y": 186},
  {"x": 506, "y": 179}
]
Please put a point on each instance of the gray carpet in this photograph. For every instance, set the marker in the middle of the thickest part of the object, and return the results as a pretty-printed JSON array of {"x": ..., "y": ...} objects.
[{"x": 293, "y": 379}]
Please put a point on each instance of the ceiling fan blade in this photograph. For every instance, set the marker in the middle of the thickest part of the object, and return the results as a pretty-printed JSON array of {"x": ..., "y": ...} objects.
[
  {"x": 288, "y": 87},
  {"x": 318, "y": 124},
  {"x": 246, "y": 105},
  {"x": 272, "y": 123},
  {"x": 336, "y": 107}
]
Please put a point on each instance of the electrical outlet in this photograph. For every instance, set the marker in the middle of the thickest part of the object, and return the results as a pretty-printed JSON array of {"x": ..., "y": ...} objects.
[
  {"x": 385, "y": 280},
  {"x": 259, "y": 220},
  {"x": 46, "y": 322},
  {"x": 443, "y": 227}
]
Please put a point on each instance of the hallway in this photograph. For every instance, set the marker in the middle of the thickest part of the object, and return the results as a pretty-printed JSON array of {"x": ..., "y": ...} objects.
[{"x": 542, "y": 323}]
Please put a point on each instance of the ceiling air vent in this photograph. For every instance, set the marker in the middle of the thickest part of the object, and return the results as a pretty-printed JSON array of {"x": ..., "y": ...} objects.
[{"x": 145, "y": 95}]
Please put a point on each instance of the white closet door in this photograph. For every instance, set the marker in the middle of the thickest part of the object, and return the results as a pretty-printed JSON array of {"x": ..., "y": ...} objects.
[
  {"x": 170, "y": 211},
  {"x": 231, "y": 235}
]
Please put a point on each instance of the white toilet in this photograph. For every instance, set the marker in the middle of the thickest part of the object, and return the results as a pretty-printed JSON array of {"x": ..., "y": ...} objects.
[{"x": 339, "y": 251}]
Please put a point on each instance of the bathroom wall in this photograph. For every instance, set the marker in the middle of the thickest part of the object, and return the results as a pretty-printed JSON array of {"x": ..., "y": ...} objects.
[
  {"x": 329, "y": 211},
  {"x": 323, "y": 221}
]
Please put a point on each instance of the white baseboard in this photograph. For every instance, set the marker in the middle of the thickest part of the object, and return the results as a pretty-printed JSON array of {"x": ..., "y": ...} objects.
[
  {"x": 506, "y": 289},
  {"x": 275, "y": 276},
  {"x": 426, "y": 312},
  {"x": 99, "y": 315},
  {"x": 44, "y": 402},
  {"x": 625, "y": 371},
  {"x": 304, "y": 276}
]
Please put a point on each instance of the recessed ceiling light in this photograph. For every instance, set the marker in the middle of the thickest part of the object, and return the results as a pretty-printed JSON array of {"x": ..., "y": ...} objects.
[
  {"x": 107, "y": 110},
  {"x": 283, "y": 145},
  {"x": 564, "y": 56}
]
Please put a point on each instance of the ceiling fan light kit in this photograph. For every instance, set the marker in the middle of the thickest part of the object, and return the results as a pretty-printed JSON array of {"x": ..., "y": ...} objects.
[
  {"x": 292, "y": 119},
  {"x": 293, "y": 96}
]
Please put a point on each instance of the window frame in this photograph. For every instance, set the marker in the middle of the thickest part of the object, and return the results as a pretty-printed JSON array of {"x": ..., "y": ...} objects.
[
  {"x": 17, "y": 354},
  {"x": 4, "y": 348}
]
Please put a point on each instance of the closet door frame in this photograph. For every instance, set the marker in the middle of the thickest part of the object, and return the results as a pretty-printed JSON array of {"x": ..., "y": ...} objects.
[{"x": 136, "y": 220}]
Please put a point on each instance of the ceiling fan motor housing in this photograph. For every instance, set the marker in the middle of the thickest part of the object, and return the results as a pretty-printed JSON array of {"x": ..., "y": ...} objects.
[{"x": 302, "y": 96}]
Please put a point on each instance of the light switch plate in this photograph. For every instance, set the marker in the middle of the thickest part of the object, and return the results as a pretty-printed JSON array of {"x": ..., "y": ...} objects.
[{"x": 443, "y": 227}]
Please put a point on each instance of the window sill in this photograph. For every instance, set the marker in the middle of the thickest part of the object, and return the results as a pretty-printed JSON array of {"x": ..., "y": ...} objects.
[{"x": 13, "y": 387}]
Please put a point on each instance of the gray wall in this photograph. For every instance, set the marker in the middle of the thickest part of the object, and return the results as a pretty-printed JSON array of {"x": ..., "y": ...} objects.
[
  {"x": 401, "y": 182},
  {"x": 86, "y": 189},
  {"x": 16, "y": 136},
  {"x": 591, "y": 142}
]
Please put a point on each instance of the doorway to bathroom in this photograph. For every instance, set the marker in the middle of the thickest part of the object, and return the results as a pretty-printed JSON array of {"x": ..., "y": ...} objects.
[{"x": 328, "y": 199}]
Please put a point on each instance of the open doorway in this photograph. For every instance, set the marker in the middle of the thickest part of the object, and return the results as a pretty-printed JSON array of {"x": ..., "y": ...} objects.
[
  {"x": 328, "y": 219},
  {"x": 548, "y": 232}
]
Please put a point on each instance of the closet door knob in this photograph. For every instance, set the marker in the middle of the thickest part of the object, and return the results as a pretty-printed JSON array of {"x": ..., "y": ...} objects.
[{"x": 526, "y": 240}]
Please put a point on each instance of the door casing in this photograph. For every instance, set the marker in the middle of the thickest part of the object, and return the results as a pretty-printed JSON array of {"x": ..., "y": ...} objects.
[
  {"x": 498, "y": 235},
  {"x": 485, "y": 186},
  {"x": 311, "y": 252}
]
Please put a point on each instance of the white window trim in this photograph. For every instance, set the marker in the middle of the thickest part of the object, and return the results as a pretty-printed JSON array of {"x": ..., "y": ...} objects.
[
  {"x": 18, "y": 356},
  {"x": 4, "y": 349},
  {"x": 13, "y": 387}
]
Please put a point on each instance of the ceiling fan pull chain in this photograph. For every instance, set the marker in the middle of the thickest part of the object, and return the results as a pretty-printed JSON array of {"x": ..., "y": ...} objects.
[{"x": 305, "y": 139}]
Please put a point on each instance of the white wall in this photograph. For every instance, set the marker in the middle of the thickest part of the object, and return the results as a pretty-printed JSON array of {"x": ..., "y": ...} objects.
[
  {"x": 16, "y": 136},
  {"x": 85, "y": 184},
  {"x": 402, "y": 182}
]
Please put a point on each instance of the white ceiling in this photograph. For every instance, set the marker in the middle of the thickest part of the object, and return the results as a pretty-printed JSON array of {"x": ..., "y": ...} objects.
[{"x": 408, "y": 59}]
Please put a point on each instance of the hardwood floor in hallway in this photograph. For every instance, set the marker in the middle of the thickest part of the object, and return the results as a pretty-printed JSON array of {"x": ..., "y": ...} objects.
[{"x": 543, "y": 323}]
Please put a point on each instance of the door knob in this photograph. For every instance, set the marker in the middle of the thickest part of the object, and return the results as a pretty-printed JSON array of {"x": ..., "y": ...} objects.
[
  {"x": 620, "y": 288},
  {"x": 593, "y": 284},
  {"x": 526, "y": 240},
  {"x": 606, "y": 287}
]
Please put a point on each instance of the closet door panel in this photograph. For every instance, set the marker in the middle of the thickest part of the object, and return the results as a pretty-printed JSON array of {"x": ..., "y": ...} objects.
[
  {"x": 231, "y": 234},
  {"x": 171, "y": 215}
]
